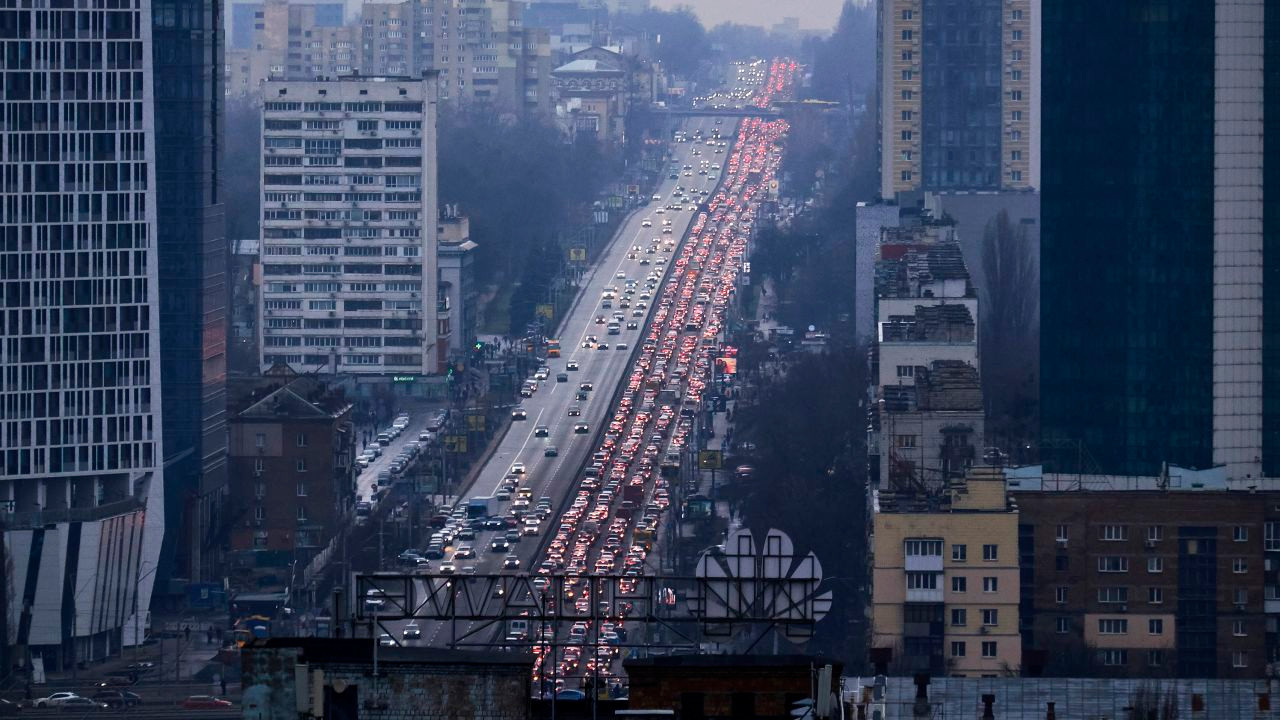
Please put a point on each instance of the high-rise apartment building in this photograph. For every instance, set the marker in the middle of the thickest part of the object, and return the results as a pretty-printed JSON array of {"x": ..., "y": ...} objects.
[
  {"x": 348, "y": 227},
  {"x": 192, "y": 254},
  {"x": 957, "y": 94},
  {"x": 82, "y": 490},
  {"x": 482, "y": 50},
  {"x": 1160, "y": 239}
]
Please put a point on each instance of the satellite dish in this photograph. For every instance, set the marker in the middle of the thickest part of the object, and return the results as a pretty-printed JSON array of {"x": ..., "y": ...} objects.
[{"x": 812, "y": 328}]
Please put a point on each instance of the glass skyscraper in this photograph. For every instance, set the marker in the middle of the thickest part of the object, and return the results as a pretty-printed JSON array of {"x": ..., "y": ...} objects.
[
  {"x": 1154, "y": 270},
  {"x": 187, "y": 43}
]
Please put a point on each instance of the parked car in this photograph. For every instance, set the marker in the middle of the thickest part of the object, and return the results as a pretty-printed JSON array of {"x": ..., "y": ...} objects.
[
  {"x": 205, "y": 702},
  {"x": 118, "y": 698},
  {"x": 81, "y": 704}
]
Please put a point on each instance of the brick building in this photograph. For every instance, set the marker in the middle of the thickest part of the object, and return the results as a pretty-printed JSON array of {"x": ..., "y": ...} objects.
[
  {"x": 292, "y": 479},
  {"x": 1131, "y": 576},
  {"x": 709, "y": 686}
]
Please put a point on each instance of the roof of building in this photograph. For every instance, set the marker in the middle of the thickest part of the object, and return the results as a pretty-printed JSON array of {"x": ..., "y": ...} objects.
[
  {"x": 588, "y": 66},
  {"x": 301, "y": 399},
  {"x": 948, "y": 322},
  {"x": 944, "y": 385},
  {"x": 907, "y": 268},
  {"x": 730, "y": 661}
]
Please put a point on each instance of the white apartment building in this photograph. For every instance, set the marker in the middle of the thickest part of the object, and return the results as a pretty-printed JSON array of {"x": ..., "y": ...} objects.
[
  {"x": 81, "y": 484},
  {"x": 349, "y": 273}
]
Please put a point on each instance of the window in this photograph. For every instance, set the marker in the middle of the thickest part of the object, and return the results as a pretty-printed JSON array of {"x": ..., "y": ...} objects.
[
  {"x": 1108, "y": 595},
  {"x": 258, "y": 465},
  {"x": 302, "y": 439},
  {"x": 906, "y": 134},
  {"x": 302, "y": 465},
  {"x": 259, "y": 490},
  {"x": 989, "y": 585},
  {"x": 1155, "y": 564},
  {"x": 990, "y": 616},
  {"x": 259, "y": 513},
  {"x": 959, "y": 584},
  {"x": 260, "y": 440},
  {"x": 1015, "y": 15},
  {"x": 1063, "y": 625},
  {"x": 1114, "y": 657},
  {"x": 1241, "y": 596},
  {"x": 1015, "y": 74},
  {"x": 1113, "y": 563},
  {"x": 1060, "y": 595},
  {"x": 1271, "y": 536},
  {"x": 1239, "y": 566},
  {"x": 1155, "y": 658},
  {"x": 959, "y": 617},
  {"x": 1017, "y": 35},
  {"x": 988, "y": 648},
  {"x": 906, "y": 177},
  {"x": 923, "y": 547},
  {"x": 1155, "y": 626},
  {"x": 1113, "y": 626},
  {"x": 1155, "y": 533},
  {"x": 1061, "y": 562},
  {"x": 1239, "y": 659},
  {"x": 1240, "y": 533},
  {"x": 1061, "y": 533},
  {"x": 957, "y": 649},
  {"x": 1237, "y": 628},
  {"x": 906, "y": 34},
  {"x": 1114, "y": 533},
  {"x": 302, "y": 489},
  {"x": 904, "y": 441},
  {"x": 990, "y": 553},
  {"x": 1015, "y": 55},
  {"x": 959, "y": 553},
  {"x": 302, "y": 512},
  {"x": 906, "y": 14},
  {"x": 906, "y": 114},
  {"x": 922, "y": 581},
  {"x": 1155, "y": 596},
  {"x": 906, "y": 371}
]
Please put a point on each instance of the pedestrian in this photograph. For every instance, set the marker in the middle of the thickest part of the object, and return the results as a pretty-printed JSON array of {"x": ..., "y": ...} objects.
[
  {"x": 186, "y": 632},
  {"x": 223, "y": 681},
  {"x": 208, "y": 637}
]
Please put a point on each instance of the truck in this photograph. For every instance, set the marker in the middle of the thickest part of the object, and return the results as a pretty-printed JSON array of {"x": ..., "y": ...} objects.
[
  {"x": 633, "y": 491},
  {"x": 480, "y": 507}
]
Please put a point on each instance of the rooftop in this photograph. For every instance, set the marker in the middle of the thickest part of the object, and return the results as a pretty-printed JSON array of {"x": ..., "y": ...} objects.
[
  {"x": 912, "y": 269},
  {"x": 946, "y": 323},
  {"x": 945, "y": 385},
  {"x": 300, "y": 399},
  {"x": 357, "y": 650}
]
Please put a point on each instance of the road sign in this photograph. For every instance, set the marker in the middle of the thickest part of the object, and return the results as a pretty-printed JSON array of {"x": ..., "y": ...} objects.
[
  {"x": 633, "y": 189},
  {"x": 577, "y": 254},
  {"x": 455, "y": 443},
  {"x": 475, "y": 422},
  {"x": 601, "y": 217},
  {"x": 710, "y": 460},
  {"x": 546, "y": 310}
]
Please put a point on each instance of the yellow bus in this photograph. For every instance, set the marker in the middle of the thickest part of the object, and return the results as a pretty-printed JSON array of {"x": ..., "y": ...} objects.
[{"x": 553, "y": 348}]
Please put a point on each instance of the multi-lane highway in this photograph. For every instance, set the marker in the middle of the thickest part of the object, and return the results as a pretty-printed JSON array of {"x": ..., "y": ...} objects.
[{"x": 603, "y": 521}]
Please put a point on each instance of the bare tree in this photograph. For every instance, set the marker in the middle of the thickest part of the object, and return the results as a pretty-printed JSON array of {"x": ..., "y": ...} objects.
[{"x": 1010, "y": 337}]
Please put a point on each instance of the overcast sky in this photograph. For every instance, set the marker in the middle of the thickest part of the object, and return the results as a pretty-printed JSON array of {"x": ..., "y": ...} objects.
[{"x": 813, "y": 14}]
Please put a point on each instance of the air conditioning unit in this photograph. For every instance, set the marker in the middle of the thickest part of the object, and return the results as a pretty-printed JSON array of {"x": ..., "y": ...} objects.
[{"x": 1149, "y": 543}]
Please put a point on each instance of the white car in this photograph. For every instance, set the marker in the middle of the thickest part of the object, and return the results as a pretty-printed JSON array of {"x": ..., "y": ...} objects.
[
  {"x": 55, "y": 699},
  {"x": 411, "y": 631},
  {"x": 646, "y": 223}
]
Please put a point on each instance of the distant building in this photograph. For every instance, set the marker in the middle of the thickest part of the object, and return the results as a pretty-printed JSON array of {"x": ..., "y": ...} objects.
[
  {"x": 959, "y": 89},
  {"x": 870, "y": 218},
  {"x": 594, "y": 94},
  {"x": 945, "y": 578},
  {"x": 484, "y": 51},
  {"x": 1160, "y": 267},
  {"x": 334, "y": 678},
  {"x": 348, "y": 243},
  {"x": 457, "y": 278},
  {"x": 292, "y": 477}
]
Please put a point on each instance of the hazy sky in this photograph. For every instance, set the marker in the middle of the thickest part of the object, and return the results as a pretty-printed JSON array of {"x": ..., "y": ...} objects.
[{"x": 813, "y": 14}]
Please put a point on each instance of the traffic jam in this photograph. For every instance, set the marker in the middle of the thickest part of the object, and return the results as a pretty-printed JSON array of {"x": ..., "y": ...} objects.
[{"x": 615, "y": 514}]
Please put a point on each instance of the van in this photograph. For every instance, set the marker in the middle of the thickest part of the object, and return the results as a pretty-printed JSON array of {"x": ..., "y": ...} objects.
[
  {"x": 614, "y": 328},
  {"x": 384, "y": 438}
]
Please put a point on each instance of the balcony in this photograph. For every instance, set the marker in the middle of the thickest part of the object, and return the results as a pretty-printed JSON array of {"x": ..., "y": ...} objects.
[
  {"x": 924, "y": 595},
  {"x": 923, "y": 563}
]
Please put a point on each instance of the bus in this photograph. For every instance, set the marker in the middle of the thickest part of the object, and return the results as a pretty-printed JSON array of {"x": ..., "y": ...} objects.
[{"x": 553, "y": 348}]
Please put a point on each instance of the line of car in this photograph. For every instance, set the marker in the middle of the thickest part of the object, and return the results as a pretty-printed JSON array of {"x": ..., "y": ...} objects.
[{"x": 621, "y": 498}]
